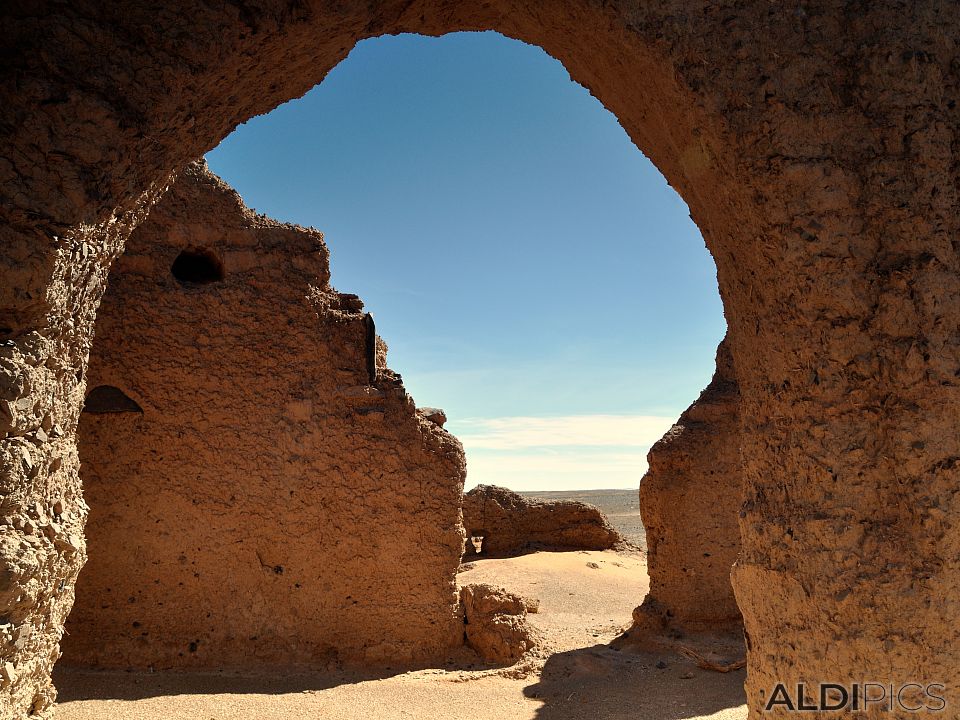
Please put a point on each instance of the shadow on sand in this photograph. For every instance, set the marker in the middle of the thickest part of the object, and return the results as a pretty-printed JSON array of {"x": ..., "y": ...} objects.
[
  {"x": 78, "y": 684},
  {"x": 601, "y": 683},
  {"x": 590, "y": 683}
]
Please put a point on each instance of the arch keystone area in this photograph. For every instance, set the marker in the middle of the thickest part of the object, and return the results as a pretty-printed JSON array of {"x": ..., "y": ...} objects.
[{"x": 816, "y": 145}]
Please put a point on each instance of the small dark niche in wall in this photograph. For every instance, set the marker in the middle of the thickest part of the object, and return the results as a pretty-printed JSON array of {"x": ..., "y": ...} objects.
[
  {"x": 109, "y": 399},
  {"x": 197, "y": 266}
]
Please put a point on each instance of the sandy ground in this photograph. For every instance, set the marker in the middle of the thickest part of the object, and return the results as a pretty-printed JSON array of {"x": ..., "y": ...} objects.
[{"x": 585, "y": 601}]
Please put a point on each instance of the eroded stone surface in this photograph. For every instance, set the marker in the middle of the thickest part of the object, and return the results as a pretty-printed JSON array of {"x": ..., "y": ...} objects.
[
  {"x": 496, "y": 623},
  {"x": 48, "y": 302},
  {"x": 689, "y": 502},
  {"x": 511, "y": 524},
  {"x": 267, "y": 499},
  {"x": 816, "y": 146}
]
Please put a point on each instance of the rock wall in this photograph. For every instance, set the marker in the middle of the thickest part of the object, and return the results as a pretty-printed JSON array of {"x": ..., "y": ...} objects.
[
  {"x": 816, "y": 144},
  {"x": 262, "y": 490},
  {"x": 511, "y": 524},
  {"x": 690, "y": 501}
]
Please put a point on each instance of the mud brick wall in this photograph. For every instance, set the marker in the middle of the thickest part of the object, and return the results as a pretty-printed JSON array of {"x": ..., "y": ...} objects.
[
  {"x": 255, "y": 499},
  {"x": 690, "y": 505},
  {"x": 816, "y": 144}
]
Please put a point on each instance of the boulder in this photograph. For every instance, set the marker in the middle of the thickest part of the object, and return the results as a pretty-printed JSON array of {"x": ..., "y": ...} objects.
[
  {"x": 434, "y": 415},
  {"x": 496, "y": 623}
]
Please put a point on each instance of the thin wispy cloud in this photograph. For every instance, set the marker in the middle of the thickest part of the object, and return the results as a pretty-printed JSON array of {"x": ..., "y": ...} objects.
[
  {"x": 591, "y": 463},
  {"x": 559, "y": 453},
  {"x": 510, "y": 433},
  {"x": 539, "y": 469}
]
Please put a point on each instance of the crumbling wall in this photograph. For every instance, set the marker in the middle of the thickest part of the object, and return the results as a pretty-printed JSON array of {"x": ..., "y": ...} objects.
[
  {"x": 511, "y": 524},
  {"x": 690, "y": 501},
  {"x": 496, "y": 623},
  {"x": 816, "y": 146},
  {"x": 262, "y": 490}
]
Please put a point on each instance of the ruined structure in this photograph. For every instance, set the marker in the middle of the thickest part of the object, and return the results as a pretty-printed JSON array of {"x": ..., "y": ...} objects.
[
  {"x": 689, "y": 503},
  {"x": 815, "y": 143},
  {"x": 262, "y": 489},
  {"x": 511, "y": 524},
  {"x": 496, "y": 623}
]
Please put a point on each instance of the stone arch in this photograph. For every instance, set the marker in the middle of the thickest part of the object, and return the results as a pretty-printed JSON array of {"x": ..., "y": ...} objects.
[{"x": 815, "y": 144}]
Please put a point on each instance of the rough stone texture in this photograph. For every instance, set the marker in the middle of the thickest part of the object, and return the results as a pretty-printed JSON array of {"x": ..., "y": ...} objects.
[
  {"x": 48, "y": 295},
  {"x": 816, "y": 145},
  {"x": 511, "y": 524},
  {"x": 689, "y": 502},
  {"x": 434, "y": 415},
  {"x": 269, "y": 503},
  {"x": 496, "y": 623}
]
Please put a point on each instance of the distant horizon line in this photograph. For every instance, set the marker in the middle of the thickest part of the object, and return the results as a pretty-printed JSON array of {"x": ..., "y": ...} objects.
[{"x": 582, "y": 490}]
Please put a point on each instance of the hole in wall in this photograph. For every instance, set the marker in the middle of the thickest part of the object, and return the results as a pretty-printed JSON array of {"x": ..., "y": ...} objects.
[
  {"x": 476, "y": 541},
  {"x": 197, "y": 266},
  {"x": 105, "y": 399}
]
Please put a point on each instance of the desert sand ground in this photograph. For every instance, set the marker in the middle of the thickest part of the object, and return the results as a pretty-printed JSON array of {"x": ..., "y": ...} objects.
[{"x": 586, "y": 599}]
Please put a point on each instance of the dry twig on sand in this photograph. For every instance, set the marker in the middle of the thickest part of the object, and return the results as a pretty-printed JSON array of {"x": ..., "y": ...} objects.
[{"x": 702, "y": 662}]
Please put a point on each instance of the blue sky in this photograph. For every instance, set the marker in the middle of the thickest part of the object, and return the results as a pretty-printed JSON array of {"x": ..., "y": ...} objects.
[{"x": 530, "y": 269}]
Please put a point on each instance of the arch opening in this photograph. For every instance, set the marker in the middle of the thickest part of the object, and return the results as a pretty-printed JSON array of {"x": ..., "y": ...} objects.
[
  {"x": 379, "y": 411},
  {"x": 202, "y": 203},
  {"x": 787, "y": 133}
]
